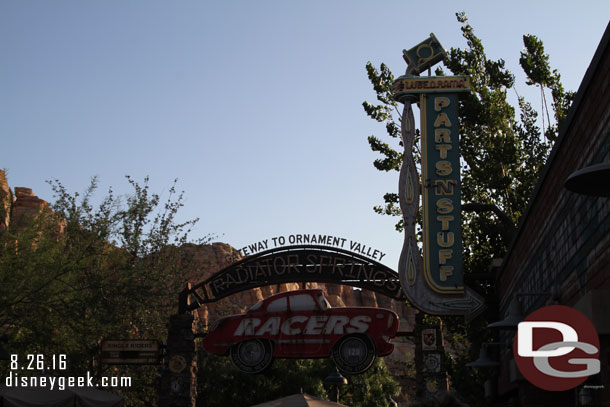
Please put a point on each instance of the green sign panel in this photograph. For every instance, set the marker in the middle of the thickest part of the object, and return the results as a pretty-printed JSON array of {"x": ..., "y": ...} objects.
[{"x": 441, "y": 192}]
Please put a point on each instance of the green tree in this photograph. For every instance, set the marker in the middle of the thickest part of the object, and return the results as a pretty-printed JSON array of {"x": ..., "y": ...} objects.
[
  {"x": 287, "y": 377},
  {"x": 502, "y": 156},
  {"x": 78, "y": 274}
]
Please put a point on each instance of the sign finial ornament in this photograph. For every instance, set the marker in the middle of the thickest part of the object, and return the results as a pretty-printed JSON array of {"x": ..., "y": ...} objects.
[{"x": 424, "y": 55}]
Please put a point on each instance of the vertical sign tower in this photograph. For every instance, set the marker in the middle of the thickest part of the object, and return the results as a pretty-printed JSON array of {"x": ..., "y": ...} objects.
[{"x": 434, "y": 283}]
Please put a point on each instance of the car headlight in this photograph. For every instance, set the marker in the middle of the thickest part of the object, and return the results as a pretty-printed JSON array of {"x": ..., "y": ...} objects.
[{"x": 390, "y": 320}]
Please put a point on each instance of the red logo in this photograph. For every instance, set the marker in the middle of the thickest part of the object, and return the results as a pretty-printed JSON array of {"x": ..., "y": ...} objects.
[
  {"x": 302, "y": 324},
  {"x": 556, "y": 348}
]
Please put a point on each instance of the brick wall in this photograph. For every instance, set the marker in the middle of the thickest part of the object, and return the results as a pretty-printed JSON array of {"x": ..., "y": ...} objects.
[{"x": 564, "y": 237}]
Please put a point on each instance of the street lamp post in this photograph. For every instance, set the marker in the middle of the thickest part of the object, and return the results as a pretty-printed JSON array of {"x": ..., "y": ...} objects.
[{"x": 335, "y": 379}]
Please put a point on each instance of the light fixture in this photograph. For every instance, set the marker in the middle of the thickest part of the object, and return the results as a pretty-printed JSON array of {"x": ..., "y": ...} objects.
[
  {"x": 512, "y": 319},
  {"x": 515, "y": 313},
  {"x": 484, "y": 360},
  {"x": 335, "y": 379},
  {"x": 592, "y": 180}
]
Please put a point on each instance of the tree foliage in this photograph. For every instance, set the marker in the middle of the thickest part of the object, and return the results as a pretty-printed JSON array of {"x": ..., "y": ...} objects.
[
  {"x": 81, "y": 273},
  {"x": 503, "y": 150},
  {"x": 287, "y": 377},
  {"x": 535, "y": 64}
]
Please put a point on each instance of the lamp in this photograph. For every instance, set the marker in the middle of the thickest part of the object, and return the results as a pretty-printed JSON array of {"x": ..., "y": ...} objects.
[
  {"x": 335, "y": 379},
  {"x": 512, "y": 319},
  {"x": 515, "y": 314},
  {"x": 592, "y": 180},
  {"x": 484, "y": 360}
]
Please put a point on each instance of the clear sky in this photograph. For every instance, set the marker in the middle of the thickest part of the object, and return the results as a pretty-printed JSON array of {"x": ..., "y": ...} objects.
[{"x": 255, "y": 106}]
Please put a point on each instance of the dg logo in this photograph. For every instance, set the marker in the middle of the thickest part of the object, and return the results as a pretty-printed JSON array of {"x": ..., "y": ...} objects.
[{"x": 556, "y": 348}]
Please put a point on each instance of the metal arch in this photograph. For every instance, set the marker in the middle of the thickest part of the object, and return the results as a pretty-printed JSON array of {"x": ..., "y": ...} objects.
[{"x": 290, "y": 264}]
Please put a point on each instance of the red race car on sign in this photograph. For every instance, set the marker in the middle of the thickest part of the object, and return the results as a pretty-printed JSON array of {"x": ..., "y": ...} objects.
[{"x": 302, "y": 324}]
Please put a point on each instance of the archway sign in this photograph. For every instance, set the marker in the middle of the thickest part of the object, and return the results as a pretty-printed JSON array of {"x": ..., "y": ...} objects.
[
  {"x": 433, "y": 282},
  {"x": 300, "y": 263}
]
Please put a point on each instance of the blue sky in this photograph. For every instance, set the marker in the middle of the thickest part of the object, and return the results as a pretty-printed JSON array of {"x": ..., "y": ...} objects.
[{"x": 254, "y": 106}]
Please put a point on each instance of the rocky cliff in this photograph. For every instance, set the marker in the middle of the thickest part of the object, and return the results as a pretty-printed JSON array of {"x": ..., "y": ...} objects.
[{"x": 17, "y": 212}]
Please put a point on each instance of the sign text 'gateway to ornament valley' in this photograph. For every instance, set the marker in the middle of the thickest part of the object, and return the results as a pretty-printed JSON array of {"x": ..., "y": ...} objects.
[{"x": 313, "y": 239}]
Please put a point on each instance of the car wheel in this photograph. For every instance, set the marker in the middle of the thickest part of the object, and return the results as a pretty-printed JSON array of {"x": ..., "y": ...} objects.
[
  {"x": 354, "y": 354},
  {"x": 252, "y": 356}
]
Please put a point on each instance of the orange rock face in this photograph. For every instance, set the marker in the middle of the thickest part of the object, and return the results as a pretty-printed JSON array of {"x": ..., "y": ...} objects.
[
  {"x": 26, "y": 207},
  {"x": 6, "y": 201},
  {"x": 21, "y": 211}
]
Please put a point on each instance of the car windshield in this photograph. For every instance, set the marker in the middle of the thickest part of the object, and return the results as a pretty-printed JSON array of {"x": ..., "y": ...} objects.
[{"x": 324, "y": 304}]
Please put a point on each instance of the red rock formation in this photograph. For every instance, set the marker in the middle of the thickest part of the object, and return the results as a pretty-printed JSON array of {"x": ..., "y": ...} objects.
[
  {"x": 6, "y": 201},
  {"x": 26, "y": 207},
  {"x": 21, "y": 211}
]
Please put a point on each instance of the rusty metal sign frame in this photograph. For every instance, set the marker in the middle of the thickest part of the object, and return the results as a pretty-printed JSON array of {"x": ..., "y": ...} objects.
[{"x": 293, "y": 264}]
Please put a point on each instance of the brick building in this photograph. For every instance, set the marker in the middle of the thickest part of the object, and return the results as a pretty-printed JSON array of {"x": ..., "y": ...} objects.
[{"x": 563, "y": 241}]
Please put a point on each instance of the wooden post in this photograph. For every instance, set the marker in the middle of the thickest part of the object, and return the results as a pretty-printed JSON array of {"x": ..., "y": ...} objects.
[
  {"x": 179, "y": 377},
  {"x": 178, "y": 387}
]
